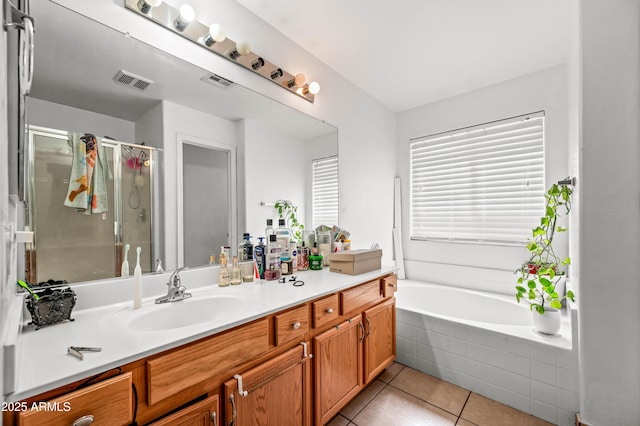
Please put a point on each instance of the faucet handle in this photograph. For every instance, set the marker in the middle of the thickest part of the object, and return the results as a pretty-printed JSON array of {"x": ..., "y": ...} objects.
[{"x": 174, "y": 279}]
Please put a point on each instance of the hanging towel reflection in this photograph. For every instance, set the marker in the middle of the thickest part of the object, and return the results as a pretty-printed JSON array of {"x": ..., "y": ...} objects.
[{"x": 89, "y": 174}]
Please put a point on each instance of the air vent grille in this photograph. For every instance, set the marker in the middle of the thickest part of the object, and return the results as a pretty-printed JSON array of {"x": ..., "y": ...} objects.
[
  {"x": 129, "y": 79},
  {"x": 216, "y": 80}
]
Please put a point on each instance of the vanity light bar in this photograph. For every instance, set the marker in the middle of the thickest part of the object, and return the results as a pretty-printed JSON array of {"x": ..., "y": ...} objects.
[{"x": 170, "y": 18}]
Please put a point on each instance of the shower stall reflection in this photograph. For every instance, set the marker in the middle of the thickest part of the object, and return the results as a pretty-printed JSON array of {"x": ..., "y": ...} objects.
[{"x": 73, "y": 244}]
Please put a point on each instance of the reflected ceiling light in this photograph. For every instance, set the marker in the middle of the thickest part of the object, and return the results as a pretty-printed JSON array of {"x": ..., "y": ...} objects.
[
  {"x": 146, "y": 5},
  {"x": 241, "y": 49},
  {"x": 187, "y": 14},
  {"x": 276, "y": 74},
  {"x": 298, "y": 80},
  {"x": 216, "y": 35}
]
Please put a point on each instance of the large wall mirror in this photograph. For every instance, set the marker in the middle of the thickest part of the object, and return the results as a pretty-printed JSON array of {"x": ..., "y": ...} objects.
[{"x": 170, "y": 110}]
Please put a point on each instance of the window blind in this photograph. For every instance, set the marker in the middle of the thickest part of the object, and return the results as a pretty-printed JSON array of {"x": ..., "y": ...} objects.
[
  {"x": 325, "y": 191},
  {"x": 483, "y": 183}
]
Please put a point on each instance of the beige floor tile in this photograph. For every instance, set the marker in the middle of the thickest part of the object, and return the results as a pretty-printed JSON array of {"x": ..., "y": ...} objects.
[
  {"x": 487, "y": 412},
  {"x": 431, "y": 389},
  {"x": 394, "y": 407},
  {"x": 463, "y": 422},
  {"x": 391, "y": 372},
  {"x": 338, "y": 421},
  {"x": 360, "y": 401}
]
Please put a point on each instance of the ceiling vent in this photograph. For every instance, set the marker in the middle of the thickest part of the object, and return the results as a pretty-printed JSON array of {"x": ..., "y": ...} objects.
[
  {"x": 129, "y": 79},
  {"x": 216, "y": 80}
]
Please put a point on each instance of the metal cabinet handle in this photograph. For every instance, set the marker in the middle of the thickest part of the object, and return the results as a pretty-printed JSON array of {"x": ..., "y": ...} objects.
[
  {"x": 296, "y": 325},
  {"x": 234, "y": 414},
  {"x": 363, "y": 332},
  {"x": 368, "y": 326},
  {"x": 83, "y": 421},
  {"x": 330, "y": 310},
  {"x": 241, "y": 391},
  {"x": 26, "y": 53},
  {"x": 214, "y": 418},
  {"x": 392, "y": 285}
]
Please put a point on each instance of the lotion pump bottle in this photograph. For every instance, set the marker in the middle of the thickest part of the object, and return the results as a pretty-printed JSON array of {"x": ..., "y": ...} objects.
[{"x": 137, "y": 282}]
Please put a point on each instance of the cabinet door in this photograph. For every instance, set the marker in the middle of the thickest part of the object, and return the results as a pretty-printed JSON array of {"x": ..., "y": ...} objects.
[
  {"x": 203, "y": 413},
  {"x": 338, "y": 367},
  {"x": 275, "y": 393},
  {"x": 380, "y": 338}
]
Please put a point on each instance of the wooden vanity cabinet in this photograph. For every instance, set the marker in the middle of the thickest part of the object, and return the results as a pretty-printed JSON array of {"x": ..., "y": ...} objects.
[
  {"x": 284, "y": 382},
  {"x": 203, "y": 413},
  {"x": 350, "y": 355},
  {"x": 380, "y": 338},
  {"x": 337, "y": 367},
  {"x": 108, "y": 403},
  {"x": 274, "y": 393}
]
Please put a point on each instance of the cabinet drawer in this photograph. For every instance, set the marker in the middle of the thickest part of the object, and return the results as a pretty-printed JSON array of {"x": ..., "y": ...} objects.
[
  {"x": 292, "y": 325},
  {"x": 389, "y": 285},
  {"x": 325, "y": 310},
  {"x": 109, "y": 402},
  {"x": 178, "y": 370},
  {"x": 200, "y": 413},
  {"x": 359, "y": 296}
]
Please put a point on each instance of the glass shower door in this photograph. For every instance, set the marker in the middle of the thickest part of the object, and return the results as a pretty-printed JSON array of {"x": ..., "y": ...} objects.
[{"x": 70, "y": 244}]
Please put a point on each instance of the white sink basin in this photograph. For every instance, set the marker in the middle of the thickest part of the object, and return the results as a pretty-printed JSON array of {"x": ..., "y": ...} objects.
[{"x": 181, "y": 314}]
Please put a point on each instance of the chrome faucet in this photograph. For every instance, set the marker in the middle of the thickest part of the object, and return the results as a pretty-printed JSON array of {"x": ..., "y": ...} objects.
[{"x": 176, "y": 290}]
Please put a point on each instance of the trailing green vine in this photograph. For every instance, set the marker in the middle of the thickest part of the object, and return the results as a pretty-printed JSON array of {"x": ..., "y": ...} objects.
[
  {"x": 544, "y": 269},
  {"x": 288, "y": 211}
]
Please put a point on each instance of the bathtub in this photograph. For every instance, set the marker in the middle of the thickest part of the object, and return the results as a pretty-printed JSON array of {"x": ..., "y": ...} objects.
[{"x": 485, "y": 342}]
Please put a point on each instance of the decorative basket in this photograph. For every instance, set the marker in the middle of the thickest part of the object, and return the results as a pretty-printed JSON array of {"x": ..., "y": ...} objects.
[{"x": 52, "y": 306}]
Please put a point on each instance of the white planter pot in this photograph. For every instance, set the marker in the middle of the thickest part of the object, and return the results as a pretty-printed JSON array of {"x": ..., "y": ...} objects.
[{"x": 547, "y": 323}]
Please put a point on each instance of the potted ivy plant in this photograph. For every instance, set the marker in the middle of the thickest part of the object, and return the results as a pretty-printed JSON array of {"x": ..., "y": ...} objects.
[
  {"x": 288, "y": 211},
  {"x": 541, "y": 276}
]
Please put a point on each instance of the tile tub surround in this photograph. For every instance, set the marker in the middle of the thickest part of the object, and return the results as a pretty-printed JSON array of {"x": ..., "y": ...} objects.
[
  {"x": 529, "y": 376},
  {"x": 404, "y": 396}
]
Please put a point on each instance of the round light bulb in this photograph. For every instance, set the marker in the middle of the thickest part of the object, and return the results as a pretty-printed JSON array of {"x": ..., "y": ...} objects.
[
  {"x": 154, "y": 3},
  {"x": 187, "y": 14},
  {"x": 243, "y": 47},
  {"x": 217, "y": 33},
  {"x": 314, "y": 87},
  {"x": 299, "y": 79}
]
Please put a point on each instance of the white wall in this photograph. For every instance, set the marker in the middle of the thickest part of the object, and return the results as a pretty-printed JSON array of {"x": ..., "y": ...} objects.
[
  {"x": 62, "y": 117},
  {"x": 7, "y": 264},
  {"x": 609, "y": 289},
  {"x": 492, "y": 265},
  {"x": 273, "y": 171}
]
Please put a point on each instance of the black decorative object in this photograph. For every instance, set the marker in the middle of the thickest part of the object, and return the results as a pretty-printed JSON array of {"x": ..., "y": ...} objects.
[{"x": 51, "y": 307}]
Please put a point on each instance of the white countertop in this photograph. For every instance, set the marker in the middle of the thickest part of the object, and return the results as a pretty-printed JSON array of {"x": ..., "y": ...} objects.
[{"x": 43, "y": 364}]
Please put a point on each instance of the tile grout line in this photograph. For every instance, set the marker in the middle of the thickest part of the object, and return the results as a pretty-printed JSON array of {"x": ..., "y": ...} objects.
[{"x": 463, "y": 405}]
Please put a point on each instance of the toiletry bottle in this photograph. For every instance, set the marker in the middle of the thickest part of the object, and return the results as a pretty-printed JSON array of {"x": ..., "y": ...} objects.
[
  {"x": 303, "y": 258},
  {"x": 273, "y": 270},
  {"x": 283, "y": 234},
  {"x": 293, "y": 253},
  {"x": 224, "y": 277},
  {"x": 212, "y": 259},
  {"x": 286, "y": 265},
  {"x": 236, "y": 277},
  {"x": 245, "y": 250},
  {"x": 269, "y": 230},
  {"x": 225, "y": 251},
  {"x": 259, "y": 254},
  {"x": 314, "y": 250}
]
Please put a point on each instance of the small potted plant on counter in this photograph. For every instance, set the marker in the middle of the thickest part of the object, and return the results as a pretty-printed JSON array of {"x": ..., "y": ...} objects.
[{"x": 541, "y": 278}]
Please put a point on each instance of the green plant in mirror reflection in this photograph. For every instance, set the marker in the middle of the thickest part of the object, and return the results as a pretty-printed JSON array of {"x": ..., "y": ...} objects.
[{"x": 288, "y": 211}]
